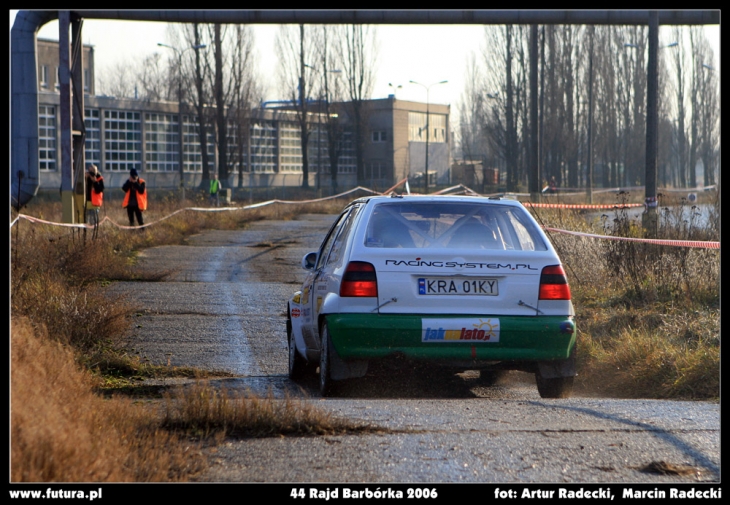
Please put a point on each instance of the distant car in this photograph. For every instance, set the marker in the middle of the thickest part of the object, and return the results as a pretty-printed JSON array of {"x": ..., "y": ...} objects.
[{"x": 468, "y": 283}]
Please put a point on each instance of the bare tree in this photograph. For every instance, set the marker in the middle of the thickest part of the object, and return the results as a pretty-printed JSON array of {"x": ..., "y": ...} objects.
[
  {"x": 220, "y": 97},
  {"x": 202, "y": 93},
  {"x": 679, "y": 82},
  {"x": 358, "y": 56},
  {"x": 246, "y": 92},
  {"x": 472, "y": 115},
  {"x": 120, "y": 80},
  {"x": 511, "y": 133},
  {"x": 294, "y": 48},
  {"x": 329, "y": 90},
  {"x": 154, "y": 79},
  {"x": 705, "y": 109}
]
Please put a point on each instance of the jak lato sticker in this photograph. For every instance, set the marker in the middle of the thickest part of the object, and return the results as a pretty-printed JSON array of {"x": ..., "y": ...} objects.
[{"x": 460, "y": 330}]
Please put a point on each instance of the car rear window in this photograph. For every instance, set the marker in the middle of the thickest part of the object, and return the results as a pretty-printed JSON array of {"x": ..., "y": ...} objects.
[{"x": 454, "y": 225}]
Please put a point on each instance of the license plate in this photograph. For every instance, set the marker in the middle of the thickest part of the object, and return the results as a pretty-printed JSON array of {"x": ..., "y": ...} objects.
[{"x": 457, "y": 286}]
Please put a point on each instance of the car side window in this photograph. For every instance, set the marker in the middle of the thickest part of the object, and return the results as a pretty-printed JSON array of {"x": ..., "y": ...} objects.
[
  {"x": 324, "y": 250},
  {"x": 338, "y": 246},
  {"x": 525, "y": 234}
]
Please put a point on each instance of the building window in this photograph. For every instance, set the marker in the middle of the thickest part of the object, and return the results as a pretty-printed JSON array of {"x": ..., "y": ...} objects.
[
  {"x": 263, "y": 150},
  {"x": 44, "y": 76},
  {"x": 375, "y": 170},
  {"x": 47, "y": 137},
  {"x": 161, "y": 141},
  {"x": 122, "y": 140},
  {"x": 290, "y": 147},
  {"x": 92, "y": 145},
  {"x": 380, "y": 136},
  {"x": 417, "y": 127},
  {"x": 192, "y": 153},
  {"x": 318, "y": 149},
  {"x": 86, "y": 80},
  {"x": 346, "y": 163},
  {"x": 58, "y": 78}
]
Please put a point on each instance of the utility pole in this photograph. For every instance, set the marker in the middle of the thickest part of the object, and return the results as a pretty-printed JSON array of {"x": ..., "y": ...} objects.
[
  {"x": 649, "y": 218},
  {"x": 428, "y": 127}
]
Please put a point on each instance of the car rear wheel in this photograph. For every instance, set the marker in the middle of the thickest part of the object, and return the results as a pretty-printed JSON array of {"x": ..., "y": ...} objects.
[
  {"x": 555, "y": 387},
  {"x": 326, "y": 386}
]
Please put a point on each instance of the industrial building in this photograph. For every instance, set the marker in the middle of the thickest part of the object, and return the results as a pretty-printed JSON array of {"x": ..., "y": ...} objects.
[{"x": 125, "y": 133}]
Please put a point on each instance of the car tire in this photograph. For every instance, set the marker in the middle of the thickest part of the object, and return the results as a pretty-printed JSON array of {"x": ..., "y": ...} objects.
[
  {"x": 489, "y": 378},
  {"x": 298, "y": 366},
  {"x": 555, "y": 387},
  {"x": 326, "y": 384}
]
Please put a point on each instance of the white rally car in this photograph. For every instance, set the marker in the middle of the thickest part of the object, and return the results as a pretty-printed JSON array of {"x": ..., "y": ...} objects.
[{"x": 469, "y": 283}]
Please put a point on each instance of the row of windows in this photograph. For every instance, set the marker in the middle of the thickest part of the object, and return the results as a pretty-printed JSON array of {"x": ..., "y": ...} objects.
[{"x": 122, "y": 144}]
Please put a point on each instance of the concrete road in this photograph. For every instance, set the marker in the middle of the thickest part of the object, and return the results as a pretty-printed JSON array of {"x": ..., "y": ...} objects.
[{"x": 223, "y": 308}]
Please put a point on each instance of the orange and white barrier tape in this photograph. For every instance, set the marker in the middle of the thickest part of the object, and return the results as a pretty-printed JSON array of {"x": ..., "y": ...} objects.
[
  {"x": 676, "y": 243},
  {"x": 581, "y": 206},
  {"x": 195, "y": 209}
]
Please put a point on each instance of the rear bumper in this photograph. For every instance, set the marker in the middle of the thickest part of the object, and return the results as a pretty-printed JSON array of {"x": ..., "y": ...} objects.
[{"x": 452, "y": 338}]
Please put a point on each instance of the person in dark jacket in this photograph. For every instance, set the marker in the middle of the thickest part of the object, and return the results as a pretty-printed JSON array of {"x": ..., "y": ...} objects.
[
  {"x": 94, "y": 194},
  {"x": 135, "y": 198}
]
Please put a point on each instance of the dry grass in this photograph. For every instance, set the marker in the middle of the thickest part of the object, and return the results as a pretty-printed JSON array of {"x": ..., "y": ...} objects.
[
  {"x": 66, "y": 335},
  {"x": 61, "y": 432},
  {"x": 651, "y": 332},
  {"x": 648, "y": 316},
  {"x": 203, "y": 411},
  {"x": 654, "y": 352}
]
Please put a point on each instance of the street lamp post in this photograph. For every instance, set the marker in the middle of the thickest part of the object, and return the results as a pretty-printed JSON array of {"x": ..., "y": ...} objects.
[
  {"x": 649, "y": 217},
  {"x": 590, "y": 120},
  {"x": 395, "y": 89},
  {"x": 428, "y": 127},
  {"x": 181, "y": 142}
]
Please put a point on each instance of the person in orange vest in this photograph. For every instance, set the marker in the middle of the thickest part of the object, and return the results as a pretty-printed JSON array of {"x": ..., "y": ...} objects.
[
  {"x": 94, "y": 194},
  {"x": 135, "y": 197}
]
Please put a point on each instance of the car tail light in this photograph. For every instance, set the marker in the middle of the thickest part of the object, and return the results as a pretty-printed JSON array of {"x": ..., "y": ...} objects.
[
  {"x": 554, "y": 284},
  {"x": 359, "y": 280}
]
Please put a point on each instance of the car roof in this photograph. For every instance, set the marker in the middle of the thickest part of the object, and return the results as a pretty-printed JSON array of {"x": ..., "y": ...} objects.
[{"x": 437, "y": 198}]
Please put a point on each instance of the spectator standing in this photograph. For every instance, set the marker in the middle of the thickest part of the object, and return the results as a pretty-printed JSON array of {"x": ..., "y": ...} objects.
[
  {"x": 215, "y": 188},
  {"x": 553, "y": 187},
  {"x": 135, "y": 197},
  {"x": 94, "y": 194}
]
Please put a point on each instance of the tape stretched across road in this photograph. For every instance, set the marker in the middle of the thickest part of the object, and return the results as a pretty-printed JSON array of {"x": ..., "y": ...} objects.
[
  {"x": 453, "y": 190},
  {"x": 676, "y": 243},
  {"x": 582, "y": 206},
  {"x": 194, "y": 209}
]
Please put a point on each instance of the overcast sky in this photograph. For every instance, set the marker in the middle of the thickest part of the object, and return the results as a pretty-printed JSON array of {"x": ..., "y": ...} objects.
[{"x": 423, "y": 53}]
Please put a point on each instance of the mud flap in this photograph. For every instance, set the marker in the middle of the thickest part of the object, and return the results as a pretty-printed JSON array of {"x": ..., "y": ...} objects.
[
  {"x": 558, "y": 368},
  {"x": 341, "y": 369}
]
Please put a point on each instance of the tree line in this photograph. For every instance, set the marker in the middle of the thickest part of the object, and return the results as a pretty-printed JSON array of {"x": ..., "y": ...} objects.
[
  {"x": 592, "y": 80},
  {"x": 603, "y": 67}
]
